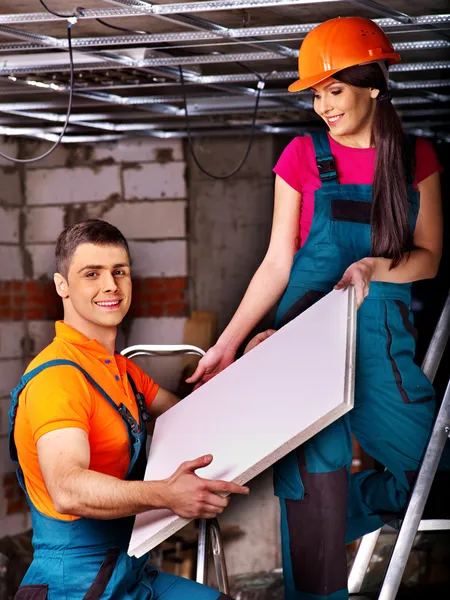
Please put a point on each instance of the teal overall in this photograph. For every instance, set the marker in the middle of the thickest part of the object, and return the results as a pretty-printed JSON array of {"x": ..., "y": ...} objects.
[
  {"x": 86, "y": 559},
  {"x": 323, "y": 507}
]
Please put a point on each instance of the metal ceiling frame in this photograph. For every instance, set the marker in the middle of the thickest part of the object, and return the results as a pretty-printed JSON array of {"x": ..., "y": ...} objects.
[
  {"x": 138, "y": 8},
  {"x": 203, "y": 36},
  {"x": 163, "y": 65}
]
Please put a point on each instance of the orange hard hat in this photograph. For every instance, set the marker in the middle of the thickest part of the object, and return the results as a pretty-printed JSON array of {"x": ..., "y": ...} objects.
[{"x": 338, "y": 44}]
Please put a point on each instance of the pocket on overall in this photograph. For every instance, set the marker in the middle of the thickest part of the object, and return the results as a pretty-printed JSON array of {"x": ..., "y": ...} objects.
[
  {"x": 412, "y": 384},
  {"x": 32, "y": 592}
]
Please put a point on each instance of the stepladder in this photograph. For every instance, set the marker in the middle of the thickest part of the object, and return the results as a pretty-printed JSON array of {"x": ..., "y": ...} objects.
[
  {"x": 413, "y": 519},
  {"x": 210, "y": 540}
]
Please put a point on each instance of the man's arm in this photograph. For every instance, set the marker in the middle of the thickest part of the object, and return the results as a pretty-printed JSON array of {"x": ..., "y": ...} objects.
[
  {"x": 64, "y": 456},
  {"x": 162, "y": 402}
]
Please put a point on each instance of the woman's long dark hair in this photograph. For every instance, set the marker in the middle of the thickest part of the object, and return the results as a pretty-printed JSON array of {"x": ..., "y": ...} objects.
[{"x": 391, "y": 236}]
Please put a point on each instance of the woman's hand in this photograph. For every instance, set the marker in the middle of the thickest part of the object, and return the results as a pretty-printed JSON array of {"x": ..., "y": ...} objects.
[
  {"x": 215, "y": 360},
  {"x": 358, "y": 274}
]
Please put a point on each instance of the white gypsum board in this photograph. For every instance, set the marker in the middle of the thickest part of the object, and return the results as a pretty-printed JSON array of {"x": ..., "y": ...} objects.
[{"x": 287, "y": 389}]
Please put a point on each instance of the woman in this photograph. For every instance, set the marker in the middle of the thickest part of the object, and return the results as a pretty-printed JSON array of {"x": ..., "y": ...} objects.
[{"x": 363, "y": 203}]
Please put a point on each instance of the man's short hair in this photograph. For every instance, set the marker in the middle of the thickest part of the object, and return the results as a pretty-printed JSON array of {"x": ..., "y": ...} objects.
[{"x": 91, "y": 231}]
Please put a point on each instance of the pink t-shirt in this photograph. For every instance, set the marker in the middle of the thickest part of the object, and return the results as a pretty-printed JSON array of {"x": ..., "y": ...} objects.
[{"x": 297, "y": 167}]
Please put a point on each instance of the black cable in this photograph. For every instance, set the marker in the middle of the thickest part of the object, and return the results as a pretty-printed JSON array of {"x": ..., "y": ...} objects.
[
  {"x": 79, "y": 10},
  {"x": 252, "y": 132},
  {"x": 52, "y": 12},
  {"x": 261, "y": 84},
  {"x": 69, "y": 109},
  {"x": 122, "y": 28}
]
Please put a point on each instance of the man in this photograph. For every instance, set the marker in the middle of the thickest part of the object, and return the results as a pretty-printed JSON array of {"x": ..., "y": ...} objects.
[{"x": 78, "y": 430}]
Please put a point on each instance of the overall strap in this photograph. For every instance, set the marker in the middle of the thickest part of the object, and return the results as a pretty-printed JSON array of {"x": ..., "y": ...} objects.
[
  {"x": 324, "y": 159},
  {"x": 25, "y": 379},
  {"x": 140, "y": 399}
]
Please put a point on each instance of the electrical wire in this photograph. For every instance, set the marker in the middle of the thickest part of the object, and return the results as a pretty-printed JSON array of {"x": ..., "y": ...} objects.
[
  {"x": 69, "y": 108},
  {"x": 72, "y": 19},
  {"x": 261, "y": 84},
  {"x": 102, "y": 22},
  {"x": 52, "y": 12}
]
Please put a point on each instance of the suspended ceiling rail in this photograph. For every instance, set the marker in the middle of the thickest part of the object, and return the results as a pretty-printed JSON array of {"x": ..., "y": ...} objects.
[
  {"x": 137, "y": 9},
  {"x": 203, "y": 36}
]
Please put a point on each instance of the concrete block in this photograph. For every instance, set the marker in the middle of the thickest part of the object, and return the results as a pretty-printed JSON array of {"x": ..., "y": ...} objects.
[
  {"x": 58, "y": 158},
  {"x": 159, "y": 259},
  {"x": 162, "y": 330},
  {"x": 8, "y": 147},
  {"x": 68, "y": 186},
  {"x": 165, "y": 370},
  {"x": 14, "y": 524},
  {"x": 232, "y": 219},
  {"x": 4, "y": 421},
  {"x": 10, "y": 188},
  {"x": 10, "y": 373},
  {"x": 41, "y": 334},
  {"x": 6, "y": 465},
  {"x": 44, "y": 224},
  {"x": 11, "y": 336},
  {"x": 11, "y": 261},
  {"x": 149, "y": 220},
  {"x": 259, "y": 549},
  {"x": 9, "y": 225},
  {"x": 140, "y": 151},
  {"x": 42, "y": 258},
  {"x": 221, "y": 155},
  {"x": 154, "y": 180}
]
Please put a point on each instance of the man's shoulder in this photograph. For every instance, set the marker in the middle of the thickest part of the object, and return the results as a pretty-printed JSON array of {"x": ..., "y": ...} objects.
[
  {"x": 50, "y": 352},
  {"x": 62, "y": 378}
]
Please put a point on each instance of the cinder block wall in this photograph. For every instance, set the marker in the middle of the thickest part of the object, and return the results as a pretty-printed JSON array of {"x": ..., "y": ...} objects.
[{"x": 140, "y": 187}]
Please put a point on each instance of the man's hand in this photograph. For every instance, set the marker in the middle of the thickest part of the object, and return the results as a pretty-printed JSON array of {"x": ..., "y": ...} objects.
[
  {"x": 258, "y": 339},
  {"x": 192, "y": 497}
]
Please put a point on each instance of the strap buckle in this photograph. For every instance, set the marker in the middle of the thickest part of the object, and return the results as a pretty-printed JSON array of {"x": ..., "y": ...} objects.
[
  {"x": 140, "y": 399},
  {"x": 326, "y": 167},
  {"x": 128, "y": 417}
]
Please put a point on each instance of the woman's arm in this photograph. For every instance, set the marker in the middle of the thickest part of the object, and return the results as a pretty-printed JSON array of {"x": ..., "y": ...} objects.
[
  {"x": 421, "y": 263},
  {"x": 266, "y": 286}
]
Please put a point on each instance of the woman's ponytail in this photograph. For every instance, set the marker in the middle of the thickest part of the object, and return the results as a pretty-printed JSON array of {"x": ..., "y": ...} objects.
[{"x": 390, "y": 222}]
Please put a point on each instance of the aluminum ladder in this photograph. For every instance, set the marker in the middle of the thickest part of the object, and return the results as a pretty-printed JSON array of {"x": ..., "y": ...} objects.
[
  {"x": 411, "y": 522},
  {"x": 209, "y": 535}
]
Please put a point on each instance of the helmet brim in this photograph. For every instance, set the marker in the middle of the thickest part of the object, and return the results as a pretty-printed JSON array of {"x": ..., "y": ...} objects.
[{"x": 308, "y": 82}]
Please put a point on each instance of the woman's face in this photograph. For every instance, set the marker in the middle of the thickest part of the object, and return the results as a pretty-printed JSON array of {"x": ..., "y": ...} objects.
[{"x": 346, "y": 109}]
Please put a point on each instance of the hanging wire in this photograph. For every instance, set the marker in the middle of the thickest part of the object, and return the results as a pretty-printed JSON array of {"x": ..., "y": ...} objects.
[
  {"x": 69, "y": 107},
  {"x": 261, "y": 84},
  {"x": 72, "y": 20},
  {"x": 52, "y": 12},
  {"x": 102, "y": 22}
]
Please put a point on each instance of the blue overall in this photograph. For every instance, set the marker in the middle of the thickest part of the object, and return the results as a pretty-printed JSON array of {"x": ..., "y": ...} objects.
[
  {"x": 86, "y": 559},
  {"x": 323, "y": 507}
]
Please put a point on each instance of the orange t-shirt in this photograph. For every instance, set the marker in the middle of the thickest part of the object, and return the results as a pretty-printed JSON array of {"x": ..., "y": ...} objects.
[{"x": 61, "y": 397}]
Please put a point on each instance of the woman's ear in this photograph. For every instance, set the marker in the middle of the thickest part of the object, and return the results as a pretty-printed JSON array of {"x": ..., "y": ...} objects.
[{"x": 374, "y": 93}]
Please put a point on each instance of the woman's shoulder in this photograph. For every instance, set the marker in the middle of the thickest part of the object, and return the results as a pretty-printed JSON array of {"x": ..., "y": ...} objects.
[
  {"x": 294, "y": 165},
  {"x": 298, "y": 148}
]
